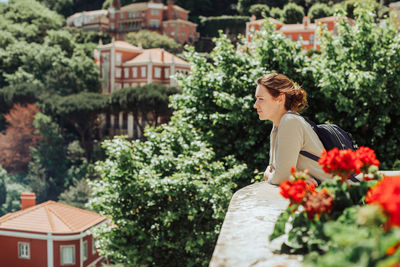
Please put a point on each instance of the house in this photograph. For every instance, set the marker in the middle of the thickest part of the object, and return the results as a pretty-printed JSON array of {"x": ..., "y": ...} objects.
[
  {"x": 306, "y": 31},
  {"x": 170, "y": 20},
  {"x": 94, "y": 21},
  {"x": 123, "y": 65},
  {"x": 49, "y": 234}
]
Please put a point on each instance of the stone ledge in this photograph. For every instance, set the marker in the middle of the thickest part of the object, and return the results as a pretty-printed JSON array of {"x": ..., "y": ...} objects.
[{"x": 243, "y": 239}]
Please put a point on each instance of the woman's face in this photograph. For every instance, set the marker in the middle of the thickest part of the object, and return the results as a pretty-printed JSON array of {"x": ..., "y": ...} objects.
[{"x": 268, "y": 107}]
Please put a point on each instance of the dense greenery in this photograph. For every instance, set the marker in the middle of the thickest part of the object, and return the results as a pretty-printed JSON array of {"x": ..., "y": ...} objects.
[
  {"x": 209, "y": 26},
  {"x": 167, "y": 197},
  {"x": 149, "y": 39}
]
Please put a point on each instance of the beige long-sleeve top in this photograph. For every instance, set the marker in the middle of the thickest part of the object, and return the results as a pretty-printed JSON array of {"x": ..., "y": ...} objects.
[{"x": 286, "y": 141}]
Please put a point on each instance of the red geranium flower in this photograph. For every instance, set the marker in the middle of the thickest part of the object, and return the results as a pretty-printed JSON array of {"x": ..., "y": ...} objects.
[
  {"x": 318, "y": 203},
  {"x": 340, "y": 162},
  {"x": 367, "y": 157},
  {"x": 387, "y": 194}
]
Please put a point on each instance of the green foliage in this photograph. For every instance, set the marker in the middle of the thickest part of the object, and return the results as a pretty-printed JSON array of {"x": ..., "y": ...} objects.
[
  {"x": 259, "y": 10},
  {"x": 79, "y": 112},
  {"x": 319, "y": 10},
  {"x": 3, "y": 189},
  {"x": 77, "y": 195},
  {"x": 149, "y": 39},
  {"x": 356, "y": 245},
  {"x": 357, "y": 73},
  {"x": 276, "y": 13},
  {"x": 147, "y": 103},
  {"x": 209, "y": 26},
  {"x": 49, "y": 165},
  {"x": 349, "y": 6},
  {"x": 293, "y": 13},
  {"x": 167, "y": 196},
  {"x": 63, "y": 7}
]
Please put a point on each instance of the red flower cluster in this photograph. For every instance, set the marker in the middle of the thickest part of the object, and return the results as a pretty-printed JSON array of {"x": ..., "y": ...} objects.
[
  {"x": 296, "y": 190},
  {"x": 346, "y": 162},
  {"x": 386, "y": 193},
  {"x": 318, "y": 203}
]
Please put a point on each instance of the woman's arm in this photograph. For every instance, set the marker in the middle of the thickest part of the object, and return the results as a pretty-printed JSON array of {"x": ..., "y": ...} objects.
[{"x": 290, "y": 139}]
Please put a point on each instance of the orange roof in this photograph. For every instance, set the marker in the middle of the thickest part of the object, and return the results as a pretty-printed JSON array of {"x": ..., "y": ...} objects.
[
  {"x": 297, "y": 28},
  {"x": 51, "y": 217},
  {"x": 134, "y": 6},
  {"x": 99, "y": 19},
  {"x": 156, "y": 57},
  {"x": 123, "y": 45}
]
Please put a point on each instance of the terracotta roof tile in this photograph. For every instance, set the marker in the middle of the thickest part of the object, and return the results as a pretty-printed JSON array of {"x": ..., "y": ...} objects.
[
  {"x": 123, "y": 45},
  {"x": 134, "y": 6},
  {"x": 51, "y": 217},
  {"x": 156, "y": 57},
  {"x": 261, "y": 21}
]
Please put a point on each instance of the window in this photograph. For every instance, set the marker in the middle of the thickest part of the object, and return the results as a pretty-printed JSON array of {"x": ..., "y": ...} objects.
[
  {"x": 126, "y": 73},
  {"x": 134, "y": 72},
  {"x": 112, "y": 26},
  {"x": 121, "y": 15},
  {"x": 117, "y": 86},
  {"x": 112, "y": 14},
  {"x": 311, "y": 38},
  {"x": 166, "y": 72},
  {"x": 290, "y": 37},
  {"x": 23, "y": 250},
  {"x": 172, "y": 33},
  {"x": 84, "y": 250},
  {"x": 155, "y": 23},
  {"x": 93, "y": 245},
  {"x": 119, "y": 58},
  {"x": 183, "y": 34},
  {"x": 157, "y": 72},
  {"x": 67, "y": 255},
  {"x": 143, "y": 71},
  {"x": 118, "y": 72},
  {"x": 155, "y": 12},
  {"x": 172, "y": 24}
]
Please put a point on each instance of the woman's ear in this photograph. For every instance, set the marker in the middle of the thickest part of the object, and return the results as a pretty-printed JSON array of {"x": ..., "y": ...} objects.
[{"x": 282, "y": 98}]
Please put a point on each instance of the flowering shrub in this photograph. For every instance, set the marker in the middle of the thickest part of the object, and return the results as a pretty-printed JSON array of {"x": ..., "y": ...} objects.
[{"x": 341, "y": 223}]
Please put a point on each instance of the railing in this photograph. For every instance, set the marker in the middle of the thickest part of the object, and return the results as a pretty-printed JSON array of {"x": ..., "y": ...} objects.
[{"x": 243, "y": 239}]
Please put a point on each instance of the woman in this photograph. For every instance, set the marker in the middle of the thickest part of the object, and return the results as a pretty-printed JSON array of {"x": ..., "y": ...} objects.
[{"x": 278, "y": 99}]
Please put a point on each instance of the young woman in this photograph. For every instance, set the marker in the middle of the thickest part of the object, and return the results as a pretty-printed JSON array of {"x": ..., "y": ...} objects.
[{"x": 278, "y": 99}]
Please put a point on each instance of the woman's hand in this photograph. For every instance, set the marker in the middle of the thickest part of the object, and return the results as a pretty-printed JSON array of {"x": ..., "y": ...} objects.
[{"x": 267, "y": 173}]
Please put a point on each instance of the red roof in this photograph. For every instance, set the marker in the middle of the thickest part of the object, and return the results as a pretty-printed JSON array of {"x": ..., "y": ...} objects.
[
  {"x": 51, "y": 217},
  {"x": 156, "y": 57}
]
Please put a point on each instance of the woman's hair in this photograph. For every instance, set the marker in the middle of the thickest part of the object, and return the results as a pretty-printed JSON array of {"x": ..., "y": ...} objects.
[{"x": 276, "y": 84}]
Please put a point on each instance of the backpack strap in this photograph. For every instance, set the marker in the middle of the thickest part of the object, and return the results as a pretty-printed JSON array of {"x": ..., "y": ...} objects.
[{"x": 309, "y": 155}]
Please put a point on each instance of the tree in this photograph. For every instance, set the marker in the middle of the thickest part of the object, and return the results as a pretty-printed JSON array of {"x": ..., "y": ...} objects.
[
  {"x": 77, "y": 195},
  {"x": 78, "y": 112},
  {"x": 276, "y": 13},
  {"x": 19, "y": 137},
  {"x": 167, "y": 196},
  {"x": 319, "y": 10},
  {"x": 149, "y": 39},
  {"x": 63, "y": 7},
  {"x": 48, "y": 168},
  {"x": 147, "y": 103},
  {"x": 3, "y": 188},
  {"x": 259, "y": 10},
  {"x": 293, "y": 13},
  {"x": 358, "y": 76}
]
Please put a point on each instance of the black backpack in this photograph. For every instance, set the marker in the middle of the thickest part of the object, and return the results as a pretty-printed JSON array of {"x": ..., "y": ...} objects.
[{"x": 331, "y": 136}]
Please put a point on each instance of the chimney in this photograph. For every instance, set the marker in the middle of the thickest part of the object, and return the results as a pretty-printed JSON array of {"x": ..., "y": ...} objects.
[
  {"x": 162, "y": 55},
  {"x": 306, "y": 22},
  {"x": 28, "y": 200},
  {"x": 253, "y": 17}
]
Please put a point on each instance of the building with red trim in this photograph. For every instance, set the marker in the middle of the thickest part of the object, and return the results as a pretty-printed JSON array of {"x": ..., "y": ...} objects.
[
  {"x": 124, "y": 65},
  {"x": 49, "y": 234},
  {"x": 305, "y": 32},
  {"x": 170, "y": 20}
]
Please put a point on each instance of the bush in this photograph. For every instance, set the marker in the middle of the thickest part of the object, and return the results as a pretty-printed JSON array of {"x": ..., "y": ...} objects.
[
  {"x": 276, "y": 13},
  {"x": 259, "y": 10},
  {"x": 293, "y": 14},
  {"x": 209, "y": 26},
  {"x": 167, "y": 197},
  {"x": 319, "y": 10}
]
